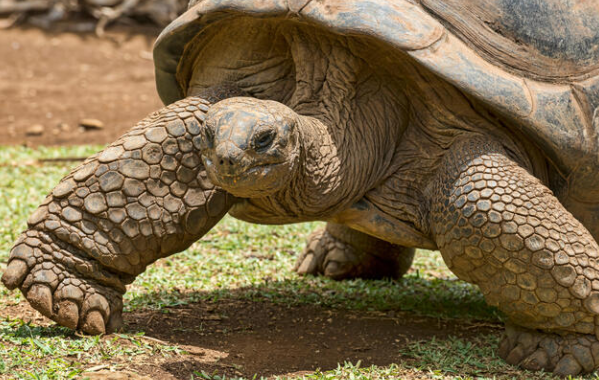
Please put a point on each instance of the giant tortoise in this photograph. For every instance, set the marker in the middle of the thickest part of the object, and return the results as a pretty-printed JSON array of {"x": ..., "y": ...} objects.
[{"x": 467, "y": 127}]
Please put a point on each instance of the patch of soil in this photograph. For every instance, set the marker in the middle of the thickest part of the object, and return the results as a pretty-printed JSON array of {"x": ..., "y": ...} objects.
[
  {"x": 25, "y": 312},
  {"x": 250, "y": 338},
  {"x": 243, "y": 338},
  {"x": 54, "y": 80}
]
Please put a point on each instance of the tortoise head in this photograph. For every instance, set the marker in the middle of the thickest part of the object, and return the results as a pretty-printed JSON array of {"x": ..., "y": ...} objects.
[{"x": 250, "y": 147}]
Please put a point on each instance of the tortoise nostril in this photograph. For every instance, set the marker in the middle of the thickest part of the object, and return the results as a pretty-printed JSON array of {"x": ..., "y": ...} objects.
[
  {"x": 227, "y": 162},
  {"x": 228, "y": 156}
]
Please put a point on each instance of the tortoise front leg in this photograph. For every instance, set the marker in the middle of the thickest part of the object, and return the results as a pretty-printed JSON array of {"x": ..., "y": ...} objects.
[
  {"x": 500, "y": 228},
  {"x": 144, "y": 197}
]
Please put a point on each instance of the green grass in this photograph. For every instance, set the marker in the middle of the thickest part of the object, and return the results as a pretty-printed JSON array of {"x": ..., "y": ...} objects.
[
  {"x": 235, "y": 261},
  {"x": 63, "y": 354}
]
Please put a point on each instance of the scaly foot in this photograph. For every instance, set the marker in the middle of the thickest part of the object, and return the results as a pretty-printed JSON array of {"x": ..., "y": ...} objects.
[
  {"x": 63, "y": 284},
  {"x": 566, "y": 355},
  {"x": 340, "y": 252}
]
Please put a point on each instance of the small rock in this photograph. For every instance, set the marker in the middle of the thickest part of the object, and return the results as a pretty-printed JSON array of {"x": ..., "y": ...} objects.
[
  {"x": 91, "y": 124},
  {"x": 60, "y": 128},
  {"x": 35, "y": 130}
]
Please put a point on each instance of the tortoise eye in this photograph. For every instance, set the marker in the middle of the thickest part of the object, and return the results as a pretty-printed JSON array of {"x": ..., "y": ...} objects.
[{"x": 264, "y": 139}]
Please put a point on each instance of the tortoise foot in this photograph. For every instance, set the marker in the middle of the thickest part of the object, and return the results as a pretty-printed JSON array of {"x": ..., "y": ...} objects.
[
  {"x": 327, "y": 256},
  {"x": 341, "y": 253},
  {"x": 59, "y": 283},
  {"x": 566, "y": 355}
]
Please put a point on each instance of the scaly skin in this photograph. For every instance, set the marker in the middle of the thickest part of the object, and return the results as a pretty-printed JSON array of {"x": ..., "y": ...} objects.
[
  {"x": 340, "y": 253},
  {"x": 144, "y": 197},
  {"x": 499, "y": 227}
]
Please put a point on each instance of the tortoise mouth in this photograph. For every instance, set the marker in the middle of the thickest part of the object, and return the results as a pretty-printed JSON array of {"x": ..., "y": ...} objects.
[
  {"x": 261, "y": 169},
  {"x": 254, "y": 182},
  {"x": 240, "y": 175}
]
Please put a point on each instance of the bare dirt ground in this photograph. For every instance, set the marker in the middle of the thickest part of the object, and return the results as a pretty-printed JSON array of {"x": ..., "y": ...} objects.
[
  {"x": 243, "y": 338},
  {"x": 250, "y": 338},
  {"x": 56, "y": 80}
]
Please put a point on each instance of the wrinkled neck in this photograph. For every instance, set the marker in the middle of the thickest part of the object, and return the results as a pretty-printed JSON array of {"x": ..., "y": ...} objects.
[
  {"x": 334, "y": 171},
  {"x": 318, "y": 189}
]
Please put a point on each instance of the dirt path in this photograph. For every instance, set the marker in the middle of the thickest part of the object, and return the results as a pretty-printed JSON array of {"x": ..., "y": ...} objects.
[{"x": 55, "y": 80}]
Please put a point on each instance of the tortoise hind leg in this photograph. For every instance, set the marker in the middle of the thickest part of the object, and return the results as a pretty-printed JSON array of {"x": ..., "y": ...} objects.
[
  {"x": 340, "y": 252},
  {"x": 500, "y": 228}
]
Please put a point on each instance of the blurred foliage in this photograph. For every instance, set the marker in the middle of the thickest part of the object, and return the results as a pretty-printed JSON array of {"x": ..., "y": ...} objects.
[{"x": 88, "y": 15}]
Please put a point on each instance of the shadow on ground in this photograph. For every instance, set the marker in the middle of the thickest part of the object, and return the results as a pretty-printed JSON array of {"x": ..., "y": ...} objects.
[{"x": 237, "y": 336}]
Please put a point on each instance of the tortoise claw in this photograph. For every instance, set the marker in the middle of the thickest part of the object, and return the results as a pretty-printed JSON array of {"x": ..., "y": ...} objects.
[
  {"x": 40, "y": 298},
  {"x": 94, "y": 323},
  {"x": 567, "y": 366},
  {"x": 537, "y": 361},
  {"x": 307, "y": 264},
  {"x": 67, "y": 314},
  {"x": 334, "y": 269},
  {"x": 15, "y": 274}
]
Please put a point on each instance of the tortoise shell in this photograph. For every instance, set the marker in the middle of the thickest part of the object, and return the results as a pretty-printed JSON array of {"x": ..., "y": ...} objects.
[{"x": 534, "y": 64}]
